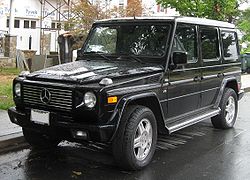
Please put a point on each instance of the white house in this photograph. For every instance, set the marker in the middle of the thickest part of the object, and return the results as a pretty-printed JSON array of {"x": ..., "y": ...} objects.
[
  {"x": 27, "y": 21},
  {"x": 32, "y": 19}
]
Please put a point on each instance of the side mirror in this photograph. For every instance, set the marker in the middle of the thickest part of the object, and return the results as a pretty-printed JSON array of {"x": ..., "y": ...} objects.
[
  {"x": 179, "y": 57},
  {"x": 79, "y": 53}
]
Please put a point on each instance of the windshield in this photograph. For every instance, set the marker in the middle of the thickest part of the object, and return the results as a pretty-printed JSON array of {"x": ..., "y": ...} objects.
[{"x": 138, "y": 40}]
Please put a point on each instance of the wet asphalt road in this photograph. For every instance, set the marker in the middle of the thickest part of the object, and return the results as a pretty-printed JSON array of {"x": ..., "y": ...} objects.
[{"x": 197, "y": 152}]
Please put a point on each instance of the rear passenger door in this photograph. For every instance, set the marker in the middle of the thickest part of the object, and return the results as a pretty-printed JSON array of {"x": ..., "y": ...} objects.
[
  {"x": 184, "y": 83},
  {"x": 212, "y": 69}
]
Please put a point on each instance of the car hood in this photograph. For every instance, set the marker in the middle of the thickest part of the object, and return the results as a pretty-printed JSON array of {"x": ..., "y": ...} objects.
[{"x": 85, "y": 71}]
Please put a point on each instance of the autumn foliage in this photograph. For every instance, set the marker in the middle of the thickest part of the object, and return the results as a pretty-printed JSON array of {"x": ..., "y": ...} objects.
[
  {"x": 83, "y": 13},
  {"x": 134, "y": 8}
]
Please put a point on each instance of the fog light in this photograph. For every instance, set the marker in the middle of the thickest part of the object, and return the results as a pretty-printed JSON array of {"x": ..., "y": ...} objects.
[
  {"x": 81, "y": 133},
  {"x": 78, "y": 134}
]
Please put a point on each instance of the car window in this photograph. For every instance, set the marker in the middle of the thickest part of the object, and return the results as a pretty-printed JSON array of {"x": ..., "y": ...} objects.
[
  {"x": 103, "y": 41},
  {"x": 186, "y": 40},
  {"x": 229, "y": 44},
  {"x": 140, "y": 40},
  {"x": 209, "y": 44}
]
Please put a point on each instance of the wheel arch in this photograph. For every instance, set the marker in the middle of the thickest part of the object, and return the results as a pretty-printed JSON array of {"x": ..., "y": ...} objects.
[
  {"x": 154, "y": 105},
  {"x": 149, "y": 100},
  {"x": 230, "y": 82}
]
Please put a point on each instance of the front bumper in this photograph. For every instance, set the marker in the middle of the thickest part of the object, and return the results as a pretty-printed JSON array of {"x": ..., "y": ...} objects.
[{"x": 62, "y": 129}]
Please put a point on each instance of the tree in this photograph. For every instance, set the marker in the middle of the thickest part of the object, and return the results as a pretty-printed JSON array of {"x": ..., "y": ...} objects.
[
  {"x": 82, "y": 15},
  {"x": 212, "y": 9},
  {"x": 243, "y": 24},
  {"x": 133, "y": 8}
]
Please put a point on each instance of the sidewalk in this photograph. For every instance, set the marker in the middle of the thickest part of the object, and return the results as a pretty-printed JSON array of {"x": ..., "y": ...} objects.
[
  {"x": 6, "y": 127},
  {"x": 245, "y": 79},
  {"x": 11, "y": 136}
]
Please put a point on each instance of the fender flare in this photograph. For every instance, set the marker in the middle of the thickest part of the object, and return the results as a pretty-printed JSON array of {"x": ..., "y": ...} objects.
[
  {"x": 123, "y": 103},
  {"x": 225, "y": 81}
]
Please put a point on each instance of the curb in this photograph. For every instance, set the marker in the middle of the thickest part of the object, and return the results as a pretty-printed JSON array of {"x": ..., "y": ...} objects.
[
  {"x": 12, "y": 142},
  {"x": 247, "y": 89}
]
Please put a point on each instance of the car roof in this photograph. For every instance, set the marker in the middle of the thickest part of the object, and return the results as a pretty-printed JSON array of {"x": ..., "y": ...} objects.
[{"x": 181, "y": 19}]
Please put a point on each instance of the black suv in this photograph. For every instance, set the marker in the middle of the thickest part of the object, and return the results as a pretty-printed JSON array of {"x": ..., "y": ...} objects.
[{"x": 133, "y": 79}]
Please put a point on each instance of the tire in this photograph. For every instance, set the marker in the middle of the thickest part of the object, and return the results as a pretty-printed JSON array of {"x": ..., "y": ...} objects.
[
  {"x": 229, "y": 109},
  {"x": 137, "y": 124},
  {"x": 248, "y": 70},
  {"x": 38, "y": 140}
]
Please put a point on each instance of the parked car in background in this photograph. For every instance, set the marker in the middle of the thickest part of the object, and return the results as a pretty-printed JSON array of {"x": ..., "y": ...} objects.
[{"x": 245, "y": 63}]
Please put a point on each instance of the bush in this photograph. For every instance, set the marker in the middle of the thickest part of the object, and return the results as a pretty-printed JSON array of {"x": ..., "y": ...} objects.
[{"x": 6, "y": 77}]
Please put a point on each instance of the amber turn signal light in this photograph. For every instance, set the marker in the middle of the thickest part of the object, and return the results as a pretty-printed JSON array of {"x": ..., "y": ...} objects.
[{"x": 112, "y": 99}]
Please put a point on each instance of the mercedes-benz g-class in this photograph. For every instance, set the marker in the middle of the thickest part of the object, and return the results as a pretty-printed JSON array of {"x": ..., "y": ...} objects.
[{"x": 133, "y": 79}]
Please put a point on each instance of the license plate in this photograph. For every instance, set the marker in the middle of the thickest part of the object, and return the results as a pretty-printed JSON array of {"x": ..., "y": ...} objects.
[{"x": 39, "y": 116}]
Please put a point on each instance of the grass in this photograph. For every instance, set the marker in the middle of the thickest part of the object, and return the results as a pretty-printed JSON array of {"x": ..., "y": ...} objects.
[{"x": 6, "y": 77}]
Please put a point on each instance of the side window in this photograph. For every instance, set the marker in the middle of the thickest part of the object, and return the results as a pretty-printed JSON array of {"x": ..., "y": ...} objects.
[
  {"x": 186, "y": 40},
  {"x": 209, "y": 44},
  {"x": 229, "y": 44}
]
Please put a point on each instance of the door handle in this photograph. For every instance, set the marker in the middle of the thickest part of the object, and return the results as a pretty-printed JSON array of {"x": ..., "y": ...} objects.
[{"x": 220, "y": 75}]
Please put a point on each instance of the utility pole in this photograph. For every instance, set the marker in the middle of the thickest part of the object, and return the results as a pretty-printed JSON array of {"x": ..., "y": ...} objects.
[{"x": 12, "y": 17}]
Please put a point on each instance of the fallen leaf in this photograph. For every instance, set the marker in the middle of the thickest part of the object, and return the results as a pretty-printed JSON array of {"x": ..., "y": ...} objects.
[{"x": 78, "y": 173}]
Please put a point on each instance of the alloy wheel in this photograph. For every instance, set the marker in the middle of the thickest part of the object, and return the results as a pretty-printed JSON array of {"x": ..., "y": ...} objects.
[
  {"x": 230, "y": 109},
  {"x": 143, "y": 139}
]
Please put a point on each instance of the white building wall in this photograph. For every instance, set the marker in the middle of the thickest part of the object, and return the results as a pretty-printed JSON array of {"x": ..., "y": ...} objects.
[
  {"x": 151, "y": 8},
  {"x": 30, "y": 10}
]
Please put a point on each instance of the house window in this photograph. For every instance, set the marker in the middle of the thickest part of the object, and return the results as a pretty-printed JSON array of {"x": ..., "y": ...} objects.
[
  {"x": 17, "y": 23},
  {"x": 162, "y": 9},
  {"x": 53, "y": 25},
  {"x": 26, "y": 24},
  {"x": 8, "y": 23},
  {"x": 33, "y": 24},
  {"x": 58, "y": 25}
]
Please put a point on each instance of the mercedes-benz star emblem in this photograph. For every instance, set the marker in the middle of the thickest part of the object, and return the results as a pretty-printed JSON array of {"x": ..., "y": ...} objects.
[{"x": 45, "y": 96}]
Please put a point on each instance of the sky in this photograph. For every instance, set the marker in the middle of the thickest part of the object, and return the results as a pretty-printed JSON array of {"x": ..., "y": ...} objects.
[{"x": 245, "y": 5}]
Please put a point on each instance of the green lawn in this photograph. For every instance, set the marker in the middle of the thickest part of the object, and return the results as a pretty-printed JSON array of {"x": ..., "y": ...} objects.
[{"x": 6, "y": 77}]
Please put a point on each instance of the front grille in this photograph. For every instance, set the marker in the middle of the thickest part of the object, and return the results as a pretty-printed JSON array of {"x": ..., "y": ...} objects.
[{"x": 61, "y": 99}]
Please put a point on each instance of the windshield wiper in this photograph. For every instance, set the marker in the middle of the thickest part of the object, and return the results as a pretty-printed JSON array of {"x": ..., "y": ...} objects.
[
  {"x": 101, "y": 54},
  {"x": 133, "y": 57}
]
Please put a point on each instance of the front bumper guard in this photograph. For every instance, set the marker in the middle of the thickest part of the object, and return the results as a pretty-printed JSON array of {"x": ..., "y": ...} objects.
[{"x": 98, "y": 133}]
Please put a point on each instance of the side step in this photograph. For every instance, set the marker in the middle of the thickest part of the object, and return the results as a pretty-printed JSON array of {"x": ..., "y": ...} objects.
[{"x": 177, "y": 125}]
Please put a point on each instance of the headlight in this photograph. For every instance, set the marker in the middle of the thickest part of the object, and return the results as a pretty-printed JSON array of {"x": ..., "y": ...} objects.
[
  {"x": 17, "y": 89},
  {"x": 89, "y": 99}
]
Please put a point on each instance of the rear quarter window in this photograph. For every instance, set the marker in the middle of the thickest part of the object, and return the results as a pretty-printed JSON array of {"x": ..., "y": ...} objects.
[{"x": 229, "y": 44}]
